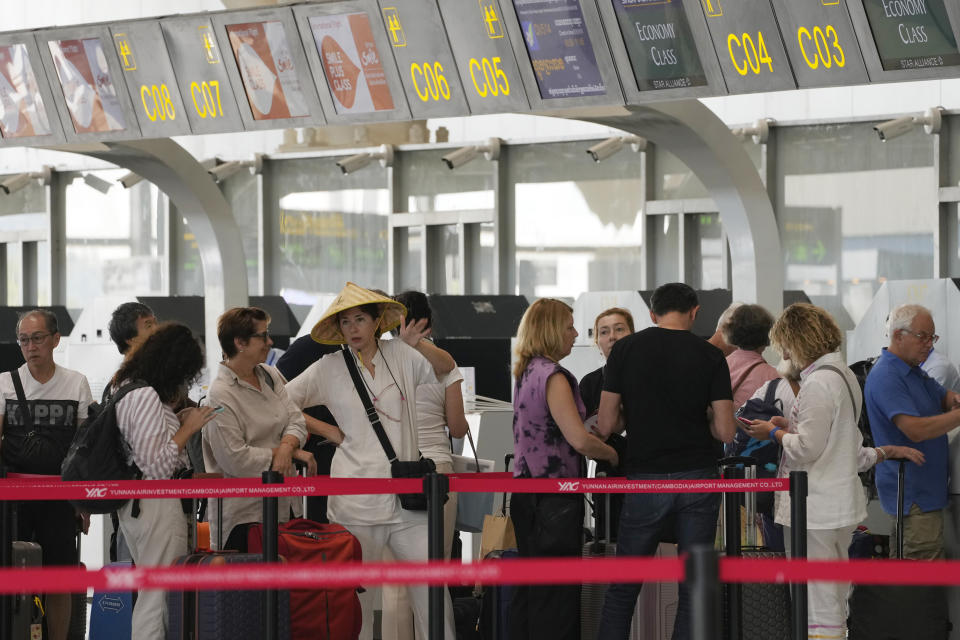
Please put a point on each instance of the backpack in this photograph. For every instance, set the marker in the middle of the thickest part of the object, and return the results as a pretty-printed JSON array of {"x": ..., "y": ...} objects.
[
  {"x": 99, "y": 451},
  {"x": 861, "y": 369},
  {"x": 766, "y": 452}
]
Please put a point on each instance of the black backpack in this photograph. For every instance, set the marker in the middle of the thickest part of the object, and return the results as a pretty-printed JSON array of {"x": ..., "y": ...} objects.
[
  {"x": 99, "y": 452},
  {"x": 766, "y": 452},
  {"x": 861, "y": 369}
]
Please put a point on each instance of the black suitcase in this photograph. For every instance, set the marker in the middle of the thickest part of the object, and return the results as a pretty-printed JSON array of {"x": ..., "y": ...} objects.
[
  {"x": 764, "y": 612},
  {"x": 885, "y": 612},
  {"x": 27, "y": 610}
]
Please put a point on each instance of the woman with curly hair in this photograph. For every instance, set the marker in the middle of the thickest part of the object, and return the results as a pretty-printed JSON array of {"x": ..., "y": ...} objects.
[
  {"x": 156, "y": 530},
  {"x": 820, "y": 436}
]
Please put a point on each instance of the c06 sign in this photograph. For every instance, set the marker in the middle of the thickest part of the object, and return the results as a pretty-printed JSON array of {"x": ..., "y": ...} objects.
[
  {"x": 429, "y": 81},
  {"x": 488, "y": 78},
  {"x": 821, "y": 46}
]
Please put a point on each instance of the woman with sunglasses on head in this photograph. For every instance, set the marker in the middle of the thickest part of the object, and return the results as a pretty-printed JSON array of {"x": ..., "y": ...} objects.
[
  {"x": 257, "y": 427},
  {"x": 390, "y": 372}
]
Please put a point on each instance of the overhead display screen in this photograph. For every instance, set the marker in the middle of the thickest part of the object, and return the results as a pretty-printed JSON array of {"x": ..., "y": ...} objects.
[
  {"x": 88, "y": 86},
  {"x": 150, "y": 79},
  {"x": 267, "y": 70},
  {"x": 912, "y": 34},
  {"x": 561, "y": 53},
  {"x": 351, "y": 63},
  {"x": 661, "y": 48},
  {"x": 485, "y": 60},
  {"x": 199, "y": 70},
  {"x": 748, "y": 45},
  {"x": 821, "y": 42},
  {"x": 23, "y": 111},
  {"x": 427, "y": 70}
]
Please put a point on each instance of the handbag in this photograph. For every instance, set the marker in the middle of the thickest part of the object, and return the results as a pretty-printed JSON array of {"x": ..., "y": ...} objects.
[
  {"x": 32, "y": 448},
  {"x": 472, "y": 508},
  {"x": 398, "y": 468}
]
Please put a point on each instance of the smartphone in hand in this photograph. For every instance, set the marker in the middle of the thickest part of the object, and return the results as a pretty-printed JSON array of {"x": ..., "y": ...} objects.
[{"x": 743, "y": 421}]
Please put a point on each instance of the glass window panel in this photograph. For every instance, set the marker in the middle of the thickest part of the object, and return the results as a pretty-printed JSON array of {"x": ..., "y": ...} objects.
[
  {"x": 14, "y": 273},
  {"x": 706, "y": 251},
  {"x": 673, "y": 180},
  {"x": 854, "y": 212},
  {"x": 579, "y": 224},
  {"x": 185, "y": 257},
  {"x": 114, "y": 244},
  {"x": 486, "y": 256},
  {"x": 242, "y": 193},
  {"x": 665, "y": 244},
  {"x": 410, "y": 272},
  {"x": 325, "y": 228},
  {"x": 428, "y": 185}
]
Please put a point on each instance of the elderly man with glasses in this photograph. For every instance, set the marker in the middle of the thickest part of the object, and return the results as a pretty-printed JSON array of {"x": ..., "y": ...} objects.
[
  {"x": 907, "y": 407},
  {"x": 42, "y": 405}
]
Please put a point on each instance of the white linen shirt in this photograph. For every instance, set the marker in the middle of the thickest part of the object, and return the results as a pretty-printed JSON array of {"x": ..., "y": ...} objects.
[
  {"x": 823, "y": 440},
  {"x": 328, "y": 382},
  {"x": 239, "y": 442}
]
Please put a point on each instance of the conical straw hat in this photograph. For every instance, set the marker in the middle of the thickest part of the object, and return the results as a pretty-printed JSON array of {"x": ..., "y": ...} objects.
[{"x": 327, "y": 330}]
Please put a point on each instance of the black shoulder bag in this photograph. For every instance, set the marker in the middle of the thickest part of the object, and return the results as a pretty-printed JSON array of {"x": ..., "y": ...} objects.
[
  {"x": 29, "y": 447},
  {"x": 398, "y": 468}
]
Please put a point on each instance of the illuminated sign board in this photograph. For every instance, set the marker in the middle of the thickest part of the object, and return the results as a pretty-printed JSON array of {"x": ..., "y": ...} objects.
[
  {"x": 748, "y": 45},
  {"x": 820, "y": 42},
  {"x": 201, "y": 74},
  {"x": 268, "y": 69},
  {"x": 90, "y": 92},
  {"x": 150, "y": 79},
  {"x": 27, "y": 111},
  {"x": 485, "y": 60},
  {"x": 350, "y": 61},
  {"x": 427, "y": 70},
  {"x": 912, "y": 34},
  {"x": 662, "y": 51}
]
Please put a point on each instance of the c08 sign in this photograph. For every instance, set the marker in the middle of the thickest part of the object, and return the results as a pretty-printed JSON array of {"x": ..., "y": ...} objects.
[
  {"x": 821, "y": 46},
  {"x": 157, "y": 103}
]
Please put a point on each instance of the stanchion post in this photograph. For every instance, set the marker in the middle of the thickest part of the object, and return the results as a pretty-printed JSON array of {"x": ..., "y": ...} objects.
[
  {"x": 436, "y": 486},
  {"x": 6, "y": 560},
  {"x": 703, "y": 587},
  {"x": 271, "y": 522},
  {"x": 731, "y": 519},
  {"x": 798, "y": 549}
]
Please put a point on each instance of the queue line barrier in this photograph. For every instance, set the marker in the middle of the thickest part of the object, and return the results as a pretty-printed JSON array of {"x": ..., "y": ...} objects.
[{"x": 701, "y": 566}]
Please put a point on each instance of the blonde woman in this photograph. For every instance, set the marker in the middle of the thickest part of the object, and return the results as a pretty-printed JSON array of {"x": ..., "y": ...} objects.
[
  {"x": 820, "y": 436},
  {"x": 550, "y": 441}
]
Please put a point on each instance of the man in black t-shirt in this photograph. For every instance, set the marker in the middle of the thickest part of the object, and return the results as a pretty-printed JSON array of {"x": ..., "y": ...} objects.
[{"x": 670, "y": 390}]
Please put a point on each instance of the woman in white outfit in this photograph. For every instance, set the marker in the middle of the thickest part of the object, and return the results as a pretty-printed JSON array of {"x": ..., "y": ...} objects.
[
  {"x": 156, "y": 530},
  {"x": 391, "y": 371},
  {"x": 820, "y": 436}
]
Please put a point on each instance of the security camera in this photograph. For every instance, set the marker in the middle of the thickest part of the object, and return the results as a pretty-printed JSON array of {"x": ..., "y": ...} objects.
[
  {"x": 360, "y": 160},
  {"x": 15, "y": 183},
  {"x": 460, "y": 157},
  {"x": 130, "y": 179},
  {"x": 354, "y": 163},
  {"x": 895, "y": 128},
  {"x": 223, "y": 171},
  {"x": 96, "y": 182},
  {"x": 603, "y": 150}
]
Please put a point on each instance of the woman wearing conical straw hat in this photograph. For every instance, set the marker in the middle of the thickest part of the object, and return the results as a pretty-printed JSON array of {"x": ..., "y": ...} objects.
[{"x": 390, "y": 371}]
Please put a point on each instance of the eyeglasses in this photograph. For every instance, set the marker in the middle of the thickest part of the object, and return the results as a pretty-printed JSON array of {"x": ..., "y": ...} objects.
[
  {"x": 923, "y": 337},
  {"x": 36, "y": 338},
  {"x": 263, "y": 335}
]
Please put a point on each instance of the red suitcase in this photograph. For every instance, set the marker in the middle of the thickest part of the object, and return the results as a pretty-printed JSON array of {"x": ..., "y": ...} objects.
[{"x": 317, "y": 614}]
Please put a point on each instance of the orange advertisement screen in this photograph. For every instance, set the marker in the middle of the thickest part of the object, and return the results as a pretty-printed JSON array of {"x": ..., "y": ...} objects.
[
  {"x": 352, "y": 63},
  {"x": 267, "y": 69}
]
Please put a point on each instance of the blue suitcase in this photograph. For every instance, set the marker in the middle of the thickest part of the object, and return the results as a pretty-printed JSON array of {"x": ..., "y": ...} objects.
[{"x": 112, "y": 611}]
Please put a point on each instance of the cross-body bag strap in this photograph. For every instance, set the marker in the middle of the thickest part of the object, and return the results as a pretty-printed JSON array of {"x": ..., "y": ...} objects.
[
  {"x": 21, "y": 396},
  {"x": 474, "y": 448},
  {"x": 856, "y": 414},
  {"x": 368, "y": 406}
]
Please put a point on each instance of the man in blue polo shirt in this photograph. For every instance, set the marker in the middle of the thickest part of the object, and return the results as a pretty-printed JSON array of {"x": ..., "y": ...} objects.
[{"x": 909, "y": 408}]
